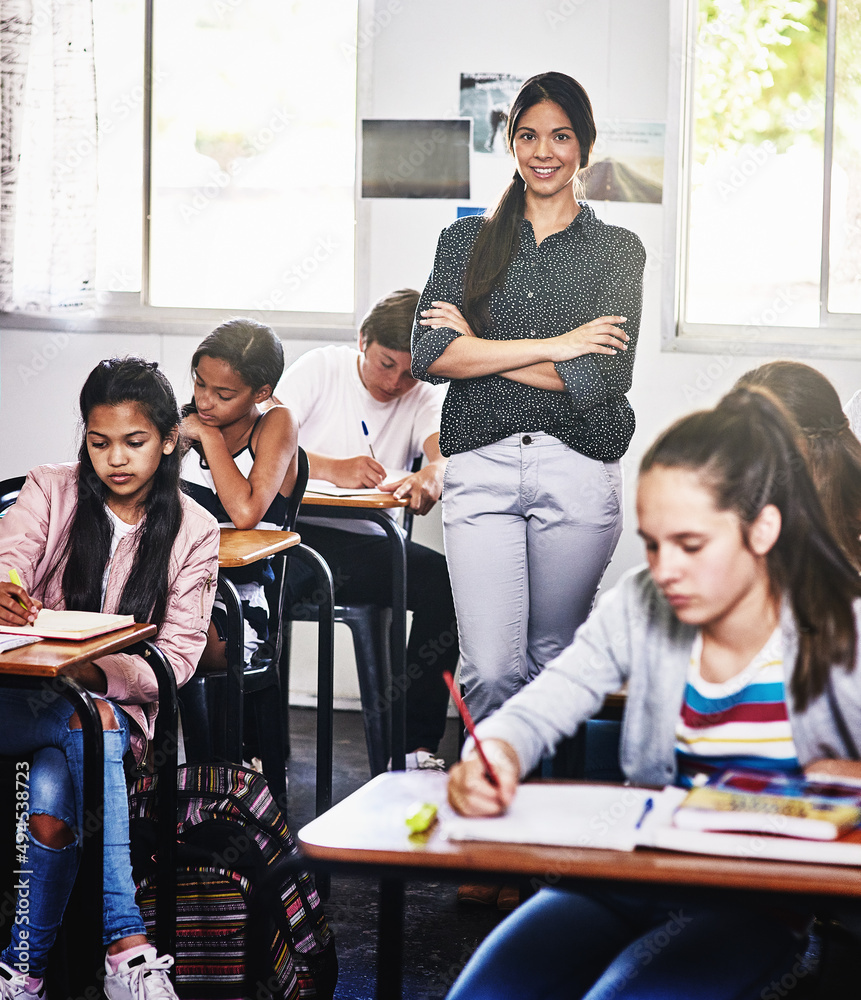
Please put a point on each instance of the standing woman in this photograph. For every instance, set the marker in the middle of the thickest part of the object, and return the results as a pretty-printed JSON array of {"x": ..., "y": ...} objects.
[{"x": 532, "y": 314}]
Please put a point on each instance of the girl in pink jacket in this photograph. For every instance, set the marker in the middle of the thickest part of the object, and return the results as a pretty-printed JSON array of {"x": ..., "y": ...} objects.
[{"x": 111, "y": 533}]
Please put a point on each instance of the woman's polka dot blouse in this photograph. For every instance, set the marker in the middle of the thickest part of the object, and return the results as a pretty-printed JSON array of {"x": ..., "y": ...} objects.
[{"x": 587, "y": 270}]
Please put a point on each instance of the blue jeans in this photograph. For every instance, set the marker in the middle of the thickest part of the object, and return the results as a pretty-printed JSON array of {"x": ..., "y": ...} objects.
[
  {"x": 530, "y": 526},
  {"x": 37, "y": 723},
  {"x": 562, "y": 945}
]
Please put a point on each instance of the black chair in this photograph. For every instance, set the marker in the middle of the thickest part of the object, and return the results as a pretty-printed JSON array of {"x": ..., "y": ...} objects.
[
  {"x": 9, "y": 490},
  {"x": 369, "y": 625},
  {"x": 217, "y": 706}
]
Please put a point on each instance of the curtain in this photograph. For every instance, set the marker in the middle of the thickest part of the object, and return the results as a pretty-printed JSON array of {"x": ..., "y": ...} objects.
[{"x": 48, "y": 186}]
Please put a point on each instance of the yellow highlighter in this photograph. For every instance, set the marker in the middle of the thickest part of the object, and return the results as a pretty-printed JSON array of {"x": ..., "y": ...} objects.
[{"x": 14, "y": 578}]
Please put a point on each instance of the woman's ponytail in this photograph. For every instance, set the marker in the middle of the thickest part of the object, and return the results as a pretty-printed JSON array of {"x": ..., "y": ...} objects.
[{"x": 492, "y": 252}]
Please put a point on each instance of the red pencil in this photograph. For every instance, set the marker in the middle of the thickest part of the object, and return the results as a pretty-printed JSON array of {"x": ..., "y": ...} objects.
[{"x": 470, "y": 728}]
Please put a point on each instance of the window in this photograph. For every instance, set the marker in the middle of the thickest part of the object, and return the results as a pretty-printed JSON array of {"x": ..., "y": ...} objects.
[
  {"x": 246, "y": 175},
  {"x": 768, "y": 218}
]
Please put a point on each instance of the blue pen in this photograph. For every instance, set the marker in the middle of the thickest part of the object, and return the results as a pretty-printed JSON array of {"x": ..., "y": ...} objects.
[
  {"x": 368, "y": 439},
  {"x": 647, "y": 808}
]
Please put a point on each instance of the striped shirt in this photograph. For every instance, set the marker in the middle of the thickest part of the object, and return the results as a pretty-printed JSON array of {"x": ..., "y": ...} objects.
[{"x": 740, "y": 722}]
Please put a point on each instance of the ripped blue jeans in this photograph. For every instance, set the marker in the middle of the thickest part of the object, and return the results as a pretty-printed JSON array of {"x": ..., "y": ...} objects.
[{"x": 32, "y": 723}]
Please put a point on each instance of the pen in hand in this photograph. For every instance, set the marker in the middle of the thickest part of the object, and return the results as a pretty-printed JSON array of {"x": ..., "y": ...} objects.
[
  {"x": 16, "y": 579},
  {"x": 489, "y": 772},
  {"x": 368, "y": 439}
]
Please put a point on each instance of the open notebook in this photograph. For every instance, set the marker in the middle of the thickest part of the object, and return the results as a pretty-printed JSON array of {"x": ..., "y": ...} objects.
[
  {"x": 70, "y": 624},
  {"x": 618, "y": 817},
  {"x": 325, "y": 488}
]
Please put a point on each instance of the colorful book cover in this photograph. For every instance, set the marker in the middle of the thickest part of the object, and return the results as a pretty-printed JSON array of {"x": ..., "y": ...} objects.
[{"x": 773, "y": 803}]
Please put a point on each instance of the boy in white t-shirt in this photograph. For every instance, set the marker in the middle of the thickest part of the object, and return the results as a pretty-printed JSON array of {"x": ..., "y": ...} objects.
[{"x": 361, "y": 415}]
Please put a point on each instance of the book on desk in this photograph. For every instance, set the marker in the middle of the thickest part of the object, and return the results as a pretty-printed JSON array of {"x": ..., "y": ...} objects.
[
  {"x": 75, "y": 625},
  {"x": 751, "y": 801}
]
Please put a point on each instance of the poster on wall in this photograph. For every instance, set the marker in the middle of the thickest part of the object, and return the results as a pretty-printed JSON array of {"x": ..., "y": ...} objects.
[
  {"x": 406, "y": 158},
  {"x": 627, "y": 162},
  {"x": 485, "y": 98}
]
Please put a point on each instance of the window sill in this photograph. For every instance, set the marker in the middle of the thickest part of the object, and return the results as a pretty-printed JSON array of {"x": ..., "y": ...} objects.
[
  {"x": 181, "y": 322},
  {"x": 799, "y": 342}
]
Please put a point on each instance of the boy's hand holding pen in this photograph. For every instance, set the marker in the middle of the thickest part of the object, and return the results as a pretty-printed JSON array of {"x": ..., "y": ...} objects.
[{"x": 16, "y": 605}]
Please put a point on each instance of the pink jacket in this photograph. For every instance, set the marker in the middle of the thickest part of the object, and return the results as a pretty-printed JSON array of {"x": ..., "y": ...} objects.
[{"x": 33, "y": 531}]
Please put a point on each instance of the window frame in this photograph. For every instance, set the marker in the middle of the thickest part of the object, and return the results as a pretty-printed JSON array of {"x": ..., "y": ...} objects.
[
  {"x": 131, "y": 312},
  {"x": 838, "y": 335}
]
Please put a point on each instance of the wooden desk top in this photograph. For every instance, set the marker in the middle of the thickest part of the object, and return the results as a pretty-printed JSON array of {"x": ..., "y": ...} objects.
[
  {"x": 363, "y": 501},
  {"x": 368, "y": 827},
  {"x": 240, "y": 547},
  {"x": 51, "y": 656}
]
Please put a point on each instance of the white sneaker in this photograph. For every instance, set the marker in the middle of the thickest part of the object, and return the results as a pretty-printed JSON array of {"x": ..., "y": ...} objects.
[
  {"x": 143, "y": 977},
  {"x": 424, "y": 760},
  {"x": 12, "y": 985}
]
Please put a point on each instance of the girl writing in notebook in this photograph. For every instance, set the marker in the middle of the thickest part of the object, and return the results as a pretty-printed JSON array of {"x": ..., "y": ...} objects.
[
  {"x": 242, "y": 462},
  {"x": 738, "y": 645},
  {"x": 110, "y": 533}
]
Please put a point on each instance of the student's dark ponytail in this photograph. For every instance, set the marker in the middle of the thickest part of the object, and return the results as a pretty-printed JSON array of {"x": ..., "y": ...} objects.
[
  {"x": 748, "y": 453},
  {"x": 497, "y": 242},
  {"x": 112, "y": 382},
  {"x": 833, "y": 451}
]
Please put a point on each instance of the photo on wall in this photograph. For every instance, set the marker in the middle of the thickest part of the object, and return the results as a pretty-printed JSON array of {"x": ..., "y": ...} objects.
[
  {"x": 415, "y": 159},
  {"x": 485, "y": 98},
  {"x": 627, "y": 162}
]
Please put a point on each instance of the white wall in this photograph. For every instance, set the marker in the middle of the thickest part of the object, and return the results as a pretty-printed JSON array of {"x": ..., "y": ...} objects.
[{"x": 617, "y": 48}]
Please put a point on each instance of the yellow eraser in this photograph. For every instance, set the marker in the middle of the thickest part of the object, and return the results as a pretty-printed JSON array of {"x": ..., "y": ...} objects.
[{"x": 421, "y": 816}]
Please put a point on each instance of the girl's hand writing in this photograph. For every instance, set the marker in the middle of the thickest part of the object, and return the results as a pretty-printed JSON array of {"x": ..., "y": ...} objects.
[
  {"x": 598, "y": 336},
  {"x": 12, "y": 611},
  {"x": 445, "y": 314},
  {"x": 470, "y": 792}
]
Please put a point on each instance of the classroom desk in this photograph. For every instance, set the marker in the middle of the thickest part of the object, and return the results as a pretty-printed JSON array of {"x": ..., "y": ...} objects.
[
  {"x": 241, "y": 547},
  {"x": 367, "y": 833},
  {"x": 372, "y": 507},
  {"x": 43, "y": 665}
]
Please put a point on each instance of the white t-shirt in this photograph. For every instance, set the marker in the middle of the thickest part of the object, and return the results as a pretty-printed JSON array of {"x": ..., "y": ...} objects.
[
  {"x": 326, "y": 396},
  {"x": 119, "y": 530}
]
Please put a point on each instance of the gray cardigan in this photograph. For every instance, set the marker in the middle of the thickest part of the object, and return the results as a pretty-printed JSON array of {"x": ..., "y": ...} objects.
[{"x": 633, "y": 637}]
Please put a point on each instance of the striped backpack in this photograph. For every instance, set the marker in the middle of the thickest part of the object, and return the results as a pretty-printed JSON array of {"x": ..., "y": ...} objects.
[{"x": 231, "y": 836}]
